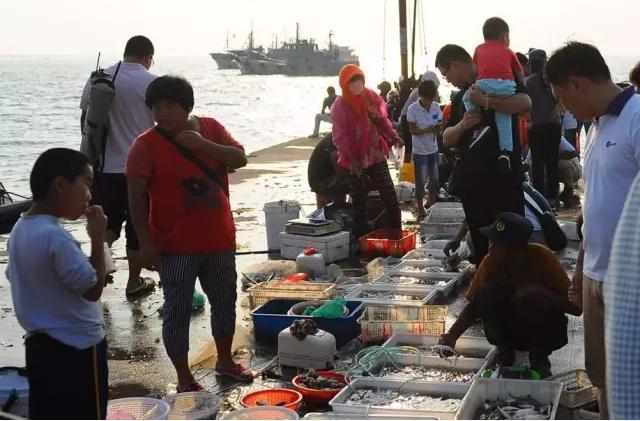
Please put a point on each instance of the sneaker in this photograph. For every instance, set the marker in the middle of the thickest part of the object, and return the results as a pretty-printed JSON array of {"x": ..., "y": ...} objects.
[
  {"x": 504, "y": 163},
  {"x": 522, "y": 358},
  {"x": 237, "y": 372}
]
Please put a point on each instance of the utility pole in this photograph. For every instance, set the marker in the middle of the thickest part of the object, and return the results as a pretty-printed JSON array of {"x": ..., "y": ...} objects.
[
  {"x": 413, "y": 38},
  {"x": 403, "y": 38}
]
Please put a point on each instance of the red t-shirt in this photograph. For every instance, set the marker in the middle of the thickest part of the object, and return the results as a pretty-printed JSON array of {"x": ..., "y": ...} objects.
[
  {"x": 188, "y": 212},
  {"x": 495, "y": 61}
]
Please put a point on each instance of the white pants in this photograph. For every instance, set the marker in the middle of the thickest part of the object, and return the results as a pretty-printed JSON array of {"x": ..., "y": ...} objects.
[{"x": 321, "y": 117}]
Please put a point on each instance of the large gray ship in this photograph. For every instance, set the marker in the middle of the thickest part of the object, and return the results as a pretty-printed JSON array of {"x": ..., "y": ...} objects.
[
  {"x": 299, "y": 57},
  {"x": 305, "y": 58}
]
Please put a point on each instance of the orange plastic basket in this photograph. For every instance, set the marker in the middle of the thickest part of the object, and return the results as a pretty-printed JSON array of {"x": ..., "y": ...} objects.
[
  {"x": 315, "y": 394},
  {"x": 273, "y": 397}
]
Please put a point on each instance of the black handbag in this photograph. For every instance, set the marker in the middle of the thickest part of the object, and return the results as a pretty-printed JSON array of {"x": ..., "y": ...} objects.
[{"x": 556, "y": 238}]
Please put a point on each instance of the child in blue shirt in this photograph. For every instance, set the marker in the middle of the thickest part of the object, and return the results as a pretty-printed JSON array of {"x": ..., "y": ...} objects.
[{"x": 56, "y": 291}]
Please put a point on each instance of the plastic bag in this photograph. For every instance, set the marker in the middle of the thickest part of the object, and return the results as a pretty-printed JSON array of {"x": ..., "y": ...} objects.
[{"x": 334, "y": 309}]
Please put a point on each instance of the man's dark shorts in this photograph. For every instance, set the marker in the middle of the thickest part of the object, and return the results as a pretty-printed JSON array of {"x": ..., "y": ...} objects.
[{"x": 110, "y": 192}]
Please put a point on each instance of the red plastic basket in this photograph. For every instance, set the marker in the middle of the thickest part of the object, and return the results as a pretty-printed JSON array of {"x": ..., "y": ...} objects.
[
  {"x": 319, "y": 395},
  {"x": 273, "y": 397},
  {"x": 387, "y": 242}
]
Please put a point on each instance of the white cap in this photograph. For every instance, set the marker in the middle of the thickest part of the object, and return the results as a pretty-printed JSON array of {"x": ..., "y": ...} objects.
[{"x": 432, "y": 76}]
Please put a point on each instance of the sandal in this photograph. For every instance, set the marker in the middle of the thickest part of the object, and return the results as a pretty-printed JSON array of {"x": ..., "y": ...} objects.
[
  {"x": 193, "y": 387},
  {"x": 146, "y": 286},
  {"x": 236, "y": 371}
]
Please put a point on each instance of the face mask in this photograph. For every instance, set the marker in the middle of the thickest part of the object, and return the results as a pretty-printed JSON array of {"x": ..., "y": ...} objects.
[{"x": 356, "y": 87}]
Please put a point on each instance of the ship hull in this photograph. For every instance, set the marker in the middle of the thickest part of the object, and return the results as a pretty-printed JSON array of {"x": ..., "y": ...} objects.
[
  {"x": 261, "y": 67},
  {"x": 225, "y": 61}
]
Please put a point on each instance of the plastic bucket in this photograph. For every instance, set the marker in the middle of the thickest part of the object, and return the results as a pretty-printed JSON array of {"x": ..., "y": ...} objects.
[
  {"x": 15, "y": 387},
  {"x": 276, "y": 215}
]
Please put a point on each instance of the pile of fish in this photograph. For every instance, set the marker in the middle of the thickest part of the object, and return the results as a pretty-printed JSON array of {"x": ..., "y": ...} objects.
[
  {"x": 388, "y": 295},
  {"x": 426, "y": 269},
  {"x": 392, "y": 399},
  {"x": 524, "y": 408},
  {"x": 431, "y": 374},
  {"x": 406, "y": 280}
]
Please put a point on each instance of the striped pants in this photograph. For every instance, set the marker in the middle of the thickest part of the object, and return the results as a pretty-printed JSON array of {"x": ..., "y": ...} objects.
[
  {"x": 218, "y": 278},
  {"x": 375, "y": 177}
]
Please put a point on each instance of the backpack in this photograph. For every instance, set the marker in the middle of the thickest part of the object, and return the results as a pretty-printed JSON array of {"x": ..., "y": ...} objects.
[{"x": 95, "y": 125}]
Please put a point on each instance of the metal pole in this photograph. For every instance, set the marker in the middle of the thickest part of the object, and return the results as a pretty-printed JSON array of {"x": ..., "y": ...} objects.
[
  {"x": 403, "y": 38},
  {"x": 413, "y": 38}
]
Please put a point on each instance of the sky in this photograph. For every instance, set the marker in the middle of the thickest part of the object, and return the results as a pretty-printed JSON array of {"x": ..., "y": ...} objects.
[{"x": 196, "y": 27}]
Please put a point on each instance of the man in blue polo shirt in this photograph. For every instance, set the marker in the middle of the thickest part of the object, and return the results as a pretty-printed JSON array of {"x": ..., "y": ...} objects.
[{"x": 581, "y": 79}]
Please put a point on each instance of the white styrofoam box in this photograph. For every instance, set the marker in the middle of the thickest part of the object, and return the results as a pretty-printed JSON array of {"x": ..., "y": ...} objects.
[
  {"x": 450, "y": 390},
  {"x": 570, "y": 229},
  {"x": 491, "y": 389},
  {"x": 475, "y": 365},
  {"x": 424, "y": 254},
  {"x": 469, "y": 346},
  {"x": 439, "y": 215},
  {"x": 439, "y": 228},
  {"x": 426, "y": 294},
  {"x": 446, "y": 205},
  {"x": 276, "y": 215},
  {"x": 315, "y": 351},
  {"x": 334, "y": 247},
  {"x": 434, "y": 244}
]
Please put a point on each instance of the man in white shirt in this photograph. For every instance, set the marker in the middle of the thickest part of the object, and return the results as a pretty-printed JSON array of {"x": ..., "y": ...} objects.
[
  {"x": 129, "y": 116},
  {"x": 425, "y": 122},
  {"x": 581, "y": 79}
]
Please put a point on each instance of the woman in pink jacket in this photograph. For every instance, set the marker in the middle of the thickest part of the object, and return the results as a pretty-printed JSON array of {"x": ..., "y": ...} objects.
[{"x": 363, "y": 134}]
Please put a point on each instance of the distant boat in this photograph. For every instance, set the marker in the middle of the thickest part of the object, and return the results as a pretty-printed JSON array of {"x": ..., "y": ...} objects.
[
  {"x": 301, "y": 57},
  {"x": 225, "y": 61},
  {"x": 261, "y": 66},
  {"x": 304, "y": 58}
]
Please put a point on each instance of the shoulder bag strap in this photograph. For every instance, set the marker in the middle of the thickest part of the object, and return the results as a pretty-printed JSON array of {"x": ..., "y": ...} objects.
[{"x": 191, "y": 157}]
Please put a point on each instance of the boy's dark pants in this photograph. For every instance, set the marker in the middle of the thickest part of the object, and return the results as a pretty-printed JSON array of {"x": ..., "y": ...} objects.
[{"x": 65, "y": 382}]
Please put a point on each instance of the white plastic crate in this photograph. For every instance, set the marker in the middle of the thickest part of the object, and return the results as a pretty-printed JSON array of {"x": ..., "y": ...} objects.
[
  {"x": 450, "y": 283},
  {"x": 492, "y": 389},
  {"x": 439, "y": 215},
  {"x": 434, "y": 244},
  {"x": 401, "y": 269},
  {"x": 475, "y": 365},
  {"x": 424, "y": 254},
  {"x": 450, "y": 390},
  {"x": 441, "y": 229},
  {"x": 425, "y": 294},
  {"x": 334, "y": 247},
  {"x": 470, "y": 346}
]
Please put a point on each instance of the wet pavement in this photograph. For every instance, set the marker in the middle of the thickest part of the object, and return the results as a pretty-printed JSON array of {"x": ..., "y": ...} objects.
[{"x": 138, "y": 363}]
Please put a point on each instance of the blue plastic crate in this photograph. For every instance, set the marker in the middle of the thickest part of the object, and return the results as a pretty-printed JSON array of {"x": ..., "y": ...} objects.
[{"x": 271, "y": 318}]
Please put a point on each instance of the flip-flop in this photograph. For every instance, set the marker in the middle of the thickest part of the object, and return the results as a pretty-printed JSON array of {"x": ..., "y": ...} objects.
[
  {"x": 193, "y": 387},
  {"x": 146, "y": 286},
  {"x": 237, "y": 372}
]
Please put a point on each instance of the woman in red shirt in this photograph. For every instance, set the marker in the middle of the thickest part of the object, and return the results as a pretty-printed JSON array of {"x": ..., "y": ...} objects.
[{"x": 181, "y": 213}]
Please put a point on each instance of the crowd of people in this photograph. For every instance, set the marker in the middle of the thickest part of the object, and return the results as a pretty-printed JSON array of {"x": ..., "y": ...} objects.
[{"x": 164, "y": 174}]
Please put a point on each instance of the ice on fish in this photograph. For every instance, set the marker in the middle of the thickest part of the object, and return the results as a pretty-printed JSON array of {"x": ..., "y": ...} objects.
[
  {"x": 523, "y": 408},
  {"x": 432, "y": 374},
  {"x": 388, "y": 295},
  {"x": 392, "y": 399}
]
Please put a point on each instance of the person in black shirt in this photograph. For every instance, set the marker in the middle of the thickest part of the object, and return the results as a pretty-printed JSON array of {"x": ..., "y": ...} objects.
[
  {"x": 476, "y": 180},
  {"x": 324, "y": 115},
  {"x": 324, "y": 181}
]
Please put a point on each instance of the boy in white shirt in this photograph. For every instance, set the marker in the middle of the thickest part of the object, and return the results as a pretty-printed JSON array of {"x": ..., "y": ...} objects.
[{"x": 425, "y": 123}]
